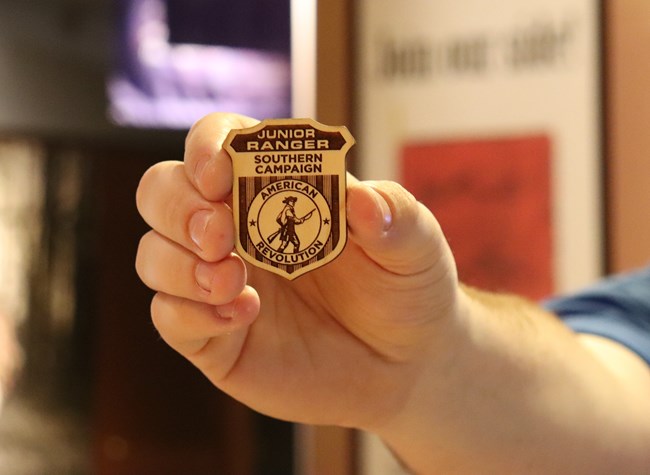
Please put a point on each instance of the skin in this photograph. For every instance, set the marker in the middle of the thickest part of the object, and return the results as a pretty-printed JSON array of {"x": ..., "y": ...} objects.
[
  {"x": 10, "y": 357},
  {"x": 384, "y": 338}
]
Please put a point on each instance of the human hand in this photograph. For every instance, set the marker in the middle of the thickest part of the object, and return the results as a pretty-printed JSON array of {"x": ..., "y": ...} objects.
[
  {"x": 340, "y": 345},
  {"x": 10, "y": 356}
]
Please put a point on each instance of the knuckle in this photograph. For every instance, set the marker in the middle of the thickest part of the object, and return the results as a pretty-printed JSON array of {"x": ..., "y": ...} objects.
[
  {"x": 144, "y": 186},
  {"x": 157, "y": 311},
  {"x": 141, "y": 258}
]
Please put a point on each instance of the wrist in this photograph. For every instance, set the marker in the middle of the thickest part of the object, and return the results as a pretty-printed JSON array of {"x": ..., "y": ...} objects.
[
  {"x": 433, "y": 375},
  {"x": 460, "y": 403}
]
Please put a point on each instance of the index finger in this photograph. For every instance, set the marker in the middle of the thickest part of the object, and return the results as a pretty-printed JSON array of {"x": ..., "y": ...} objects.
[{"x": 207, "y": 164}]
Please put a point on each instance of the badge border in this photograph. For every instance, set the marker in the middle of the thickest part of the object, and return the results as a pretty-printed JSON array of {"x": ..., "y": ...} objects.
[{"x": 342, "y": 193}]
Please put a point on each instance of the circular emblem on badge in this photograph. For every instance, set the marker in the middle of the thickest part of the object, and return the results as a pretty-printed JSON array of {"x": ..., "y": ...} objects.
[{"x": 289, "y": 221}]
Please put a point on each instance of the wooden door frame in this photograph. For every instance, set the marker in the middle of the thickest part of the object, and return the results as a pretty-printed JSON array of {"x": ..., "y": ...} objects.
[
  {"x": 331, "y": 450},
  {"x": 627, "y": 115}
]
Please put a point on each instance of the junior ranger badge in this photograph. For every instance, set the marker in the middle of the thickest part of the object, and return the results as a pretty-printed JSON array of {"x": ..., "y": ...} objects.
[{"x": 289, "y": 193}]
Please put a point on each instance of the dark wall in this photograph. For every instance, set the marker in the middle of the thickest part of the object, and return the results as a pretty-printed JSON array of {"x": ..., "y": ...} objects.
[{"x": 53, "y": 57}]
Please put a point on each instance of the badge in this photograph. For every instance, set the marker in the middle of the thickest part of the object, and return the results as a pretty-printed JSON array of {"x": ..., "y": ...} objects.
[{"x": 289, "y": 194}]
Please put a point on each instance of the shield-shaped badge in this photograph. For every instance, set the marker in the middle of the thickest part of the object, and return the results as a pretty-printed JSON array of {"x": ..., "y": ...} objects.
[{"x": 289, "y": 194}]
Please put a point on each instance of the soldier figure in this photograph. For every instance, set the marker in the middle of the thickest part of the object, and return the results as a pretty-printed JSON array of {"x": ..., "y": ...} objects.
[{"x": 288, "y": 220}]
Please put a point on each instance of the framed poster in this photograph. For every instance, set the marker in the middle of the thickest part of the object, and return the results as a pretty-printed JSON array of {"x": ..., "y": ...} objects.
[
  {"x": 489, "y": 113},
  {"x": 499, "y": 189}
]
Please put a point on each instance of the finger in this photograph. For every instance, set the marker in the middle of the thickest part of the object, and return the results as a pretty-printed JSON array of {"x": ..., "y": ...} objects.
[
  {"x": 170, "y": 204},
  {"x": 208, "y": 166},
  {"x": 394, "y": 229},
  {"x": 167, "y": 267},
  {"x": 190, "y": 327}
]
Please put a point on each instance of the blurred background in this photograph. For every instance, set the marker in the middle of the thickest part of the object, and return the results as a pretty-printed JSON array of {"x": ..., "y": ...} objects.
[
  {"x": 91, "y": 94},
  {"x": 527, "y": 121}
]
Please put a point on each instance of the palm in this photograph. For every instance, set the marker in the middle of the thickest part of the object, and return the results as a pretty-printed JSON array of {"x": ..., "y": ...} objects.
[{"x": 310, "y": 330}]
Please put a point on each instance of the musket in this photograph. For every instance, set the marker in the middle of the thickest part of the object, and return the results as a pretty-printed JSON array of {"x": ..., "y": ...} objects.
[{"x": 308, "y": 215}]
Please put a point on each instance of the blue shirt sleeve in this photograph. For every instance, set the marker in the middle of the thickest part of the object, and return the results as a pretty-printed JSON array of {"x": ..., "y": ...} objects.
[{"x": 617, "y": 308}]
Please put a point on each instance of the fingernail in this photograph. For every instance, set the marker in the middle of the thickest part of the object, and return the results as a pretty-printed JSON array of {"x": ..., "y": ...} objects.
[
  {"x": 199, "y": 167},
  {"x": 198, "y": 224},
  {"x": 204, "y": 276},
  {"x": 382, "y": 206},
  {"x": 203, "y": 162},
  {"x": 227, "y": 311}
]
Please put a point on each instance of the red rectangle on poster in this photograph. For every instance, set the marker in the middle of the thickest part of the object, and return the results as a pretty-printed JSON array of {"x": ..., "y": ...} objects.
[{"x": 492, "y": 197}]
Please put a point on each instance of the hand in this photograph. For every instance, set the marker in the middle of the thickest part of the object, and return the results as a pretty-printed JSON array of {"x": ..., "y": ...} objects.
[
  {"x": 10, "y": 356},
  {"x": 340, "y": 345},
  {"x": 383, "y": 338}
]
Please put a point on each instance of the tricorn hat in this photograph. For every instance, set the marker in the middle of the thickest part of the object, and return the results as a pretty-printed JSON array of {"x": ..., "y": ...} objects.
[{"x": 290, "y": 198}]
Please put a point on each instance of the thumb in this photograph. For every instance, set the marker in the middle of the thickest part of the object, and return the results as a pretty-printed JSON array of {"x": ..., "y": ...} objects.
[{"x": 395, "y": 230}]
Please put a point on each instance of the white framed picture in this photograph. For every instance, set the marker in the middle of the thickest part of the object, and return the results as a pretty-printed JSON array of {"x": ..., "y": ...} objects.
[{"x": 490, "y": 113}]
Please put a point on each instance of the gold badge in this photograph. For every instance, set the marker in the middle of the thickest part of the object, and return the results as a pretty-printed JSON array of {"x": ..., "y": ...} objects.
[{"x": 289, "y": 193}]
